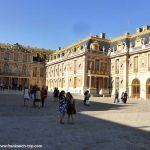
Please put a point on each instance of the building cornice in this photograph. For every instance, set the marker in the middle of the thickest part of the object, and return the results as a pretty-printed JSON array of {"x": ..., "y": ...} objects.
[
  {"x": 79, "y": 42},
  {"x": 126, "y": 36},
  {"x": 120, "y": 38}
]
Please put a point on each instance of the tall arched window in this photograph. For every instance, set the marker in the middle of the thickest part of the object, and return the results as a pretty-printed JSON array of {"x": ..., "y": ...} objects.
[
  {"x": 24, "y": 58},
  {"x": 15, "y": 69},
  {"x": 16, "y": 56},
  {"x": 24, "y": 70},
  {"x": 6, "y": 57},
  {"x": 136, "y": 88},
  {"x": 6, "y": 68}
]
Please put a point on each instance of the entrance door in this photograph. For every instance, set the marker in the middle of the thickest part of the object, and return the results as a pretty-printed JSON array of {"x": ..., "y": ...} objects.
[
  {"x": 15, "y": 83},
  {"x": 136, "y": 88},
  {"x": 6, "y": 82},
  {"x": 148, "y": 89},
  {"x": 23, "y": 83}
]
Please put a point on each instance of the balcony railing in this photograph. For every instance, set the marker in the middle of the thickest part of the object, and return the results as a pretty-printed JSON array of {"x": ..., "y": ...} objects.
[{"x": 98, "y": 72}]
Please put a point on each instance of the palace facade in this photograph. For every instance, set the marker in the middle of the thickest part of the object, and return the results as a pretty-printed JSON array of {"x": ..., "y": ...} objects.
[
  {"x": 22, "y": 66},
  {"x": 95, "y": 63},
  {"x": 103, "y": 66}
]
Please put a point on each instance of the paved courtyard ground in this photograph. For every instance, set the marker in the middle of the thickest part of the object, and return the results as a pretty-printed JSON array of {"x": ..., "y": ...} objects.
[{"x": 101, "y": 126}]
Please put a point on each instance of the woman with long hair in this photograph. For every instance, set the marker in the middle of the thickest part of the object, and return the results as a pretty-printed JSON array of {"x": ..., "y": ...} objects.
[
  {"x": 62, "y": 106},
  {"x": 70, "y": 107}
]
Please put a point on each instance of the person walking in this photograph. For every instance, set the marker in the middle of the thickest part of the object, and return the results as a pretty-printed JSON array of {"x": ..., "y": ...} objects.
[
  {"x": 125, "y": 97},
  {"x": 87, "y": 95},
  {"x": 37, "y": 97},
  {"x": 122, "y": 97},
  {"x": 56, "y": 94},
  {"x": 26, "y": 96},
  {"x": 116, "y": 96},
  {"x": 43, "y": 95},
  {"x": 62, "y": 106},
  {"x": 70, "y": 107}
]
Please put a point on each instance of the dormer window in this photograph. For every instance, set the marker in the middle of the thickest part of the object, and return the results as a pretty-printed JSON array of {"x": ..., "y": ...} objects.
[
  {"x": 138, "y": 41},
  {"x": 94, "y": 46},
  {"x": 75, "y": 49},
  {"x": 62, "y": 54},
  {"x": 119, "y": 45}
]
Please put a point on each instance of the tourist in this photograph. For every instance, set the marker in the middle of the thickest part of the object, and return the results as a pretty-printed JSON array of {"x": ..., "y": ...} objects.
[
  {"x": 62, "y": 106},
  {"x": 70, "y": 107},
  {"x": 116, "y": 96},
  {"x": 125, "y": 97},
  {"x": 87, "y": 95},
  {"x": 56, "y": 94},
  {"x": 37, "y": 97},
  {"x": 122, "y": 97},
  {"x": 43, "y": 95},
  {"x": 33, "y": 92},
  {"x": 26, "y": 96}
]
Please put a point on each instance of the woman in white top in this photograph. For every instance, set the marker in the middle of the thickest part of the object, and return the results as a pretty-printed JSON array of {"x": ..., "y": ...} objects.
[{"x": 26, "y": 95}]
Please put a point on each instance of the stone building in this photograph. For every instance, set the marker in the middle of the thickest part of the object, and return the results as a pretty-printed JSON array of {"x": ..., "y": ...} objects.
[
  {"x": 103, "y": 66},
  {"x": 22, "y": 66},
  {"x": 83, "y": 65},
  {"x": 130, "y": 58},
  {"x": 95, "y": 63}
]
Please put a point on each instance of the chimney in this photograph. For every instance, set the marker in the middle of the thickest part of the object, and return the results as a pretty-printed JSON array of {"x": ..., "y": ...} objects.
[
  {"x": 138, "y": 30},
  {"x": 59, "y": 48},
  {"x": 102, "y": 35}
]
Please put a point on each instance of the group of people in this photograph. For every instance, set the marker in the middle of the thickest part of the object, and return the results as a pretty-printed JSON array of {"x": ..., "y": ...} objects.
[
  {"x": 124, "y": 97},
  {"x": 36, "y": 94},
  {"x": 66, "y": 105}
]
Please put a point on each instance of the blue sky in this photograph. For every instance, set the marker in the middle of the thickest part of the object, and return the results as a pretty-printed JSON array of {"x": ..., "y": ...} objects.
[{"x": 59, "y": 23}]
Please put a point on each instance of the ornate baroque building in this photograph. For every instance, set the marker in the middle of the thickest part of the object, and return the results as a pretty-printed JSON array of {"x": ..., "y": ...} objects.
[
  {"x": 22, "y": 66},
  {"x": 95, "y": 63},
  {"x": 102, "y": 65},
  {"x": 83, "y": 65}
]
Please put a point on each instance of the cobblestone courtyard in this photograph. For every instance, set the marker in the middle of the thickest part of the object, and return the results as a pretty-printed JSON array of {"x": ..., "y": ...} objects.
[{"x": 102, "y": 126}]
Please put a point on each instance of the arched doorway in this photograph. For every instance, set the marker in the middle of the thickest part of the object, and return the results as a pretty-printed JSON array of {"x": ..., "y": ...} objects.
[
  {"x": 148, "y": 88},
  {"x": 136, "y": 88}
]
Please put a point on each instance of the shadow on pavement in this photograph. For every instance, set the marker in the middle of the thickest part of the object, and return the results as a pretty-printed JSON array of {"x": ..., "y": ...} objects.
[{"x": 40, "y": 126}]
